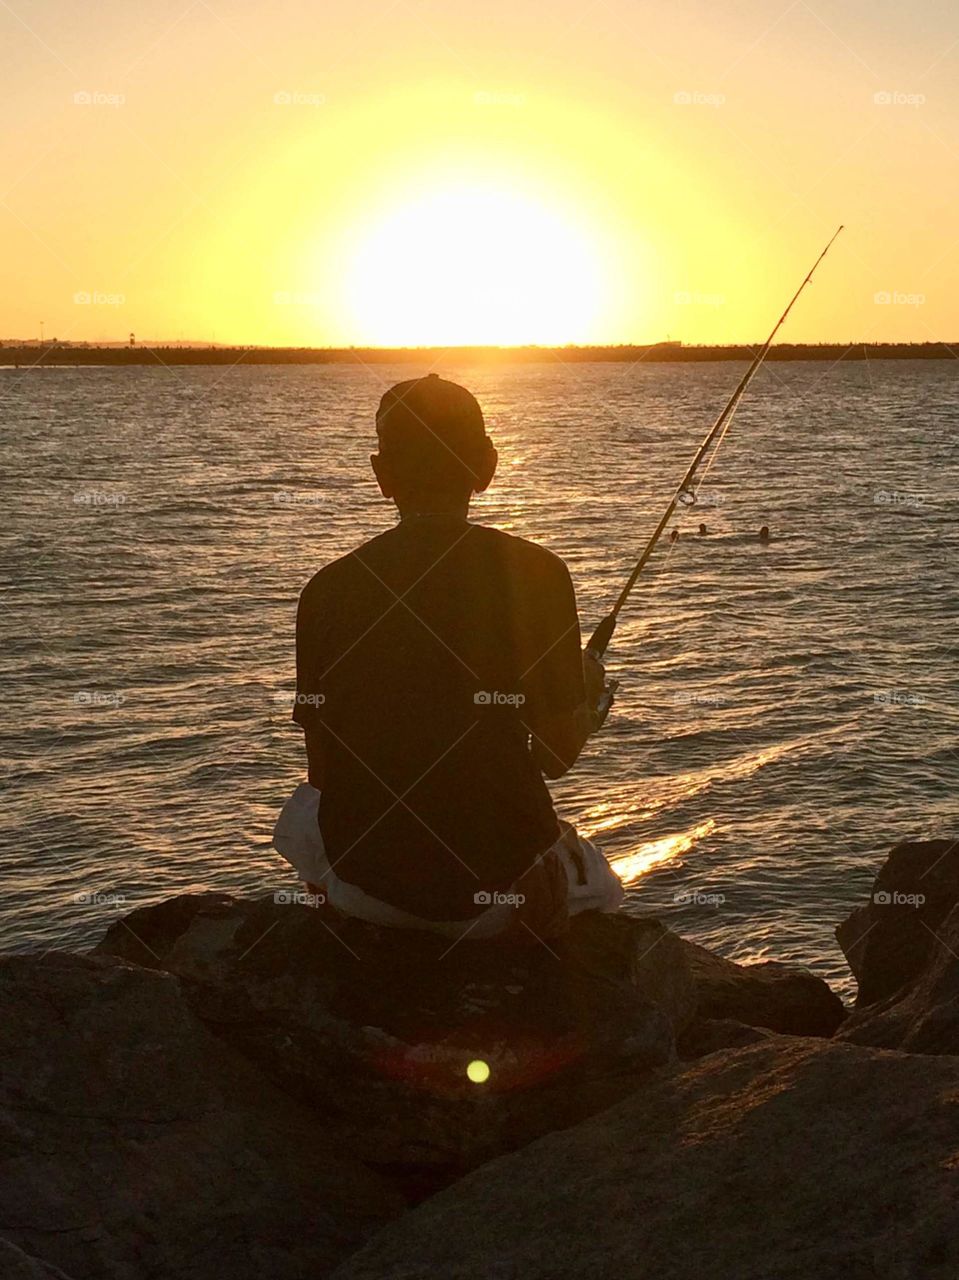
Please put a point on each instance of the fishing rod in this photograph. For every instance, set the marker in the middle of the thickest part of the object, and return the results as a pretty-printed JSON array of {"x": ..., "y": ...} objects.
[{"x": 599, "y": 641}]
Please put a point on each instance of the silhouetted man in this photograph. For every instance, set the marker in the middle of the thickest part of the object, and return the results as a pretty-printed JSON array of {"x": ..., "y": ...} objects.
[{"x": 439, "y": 677}]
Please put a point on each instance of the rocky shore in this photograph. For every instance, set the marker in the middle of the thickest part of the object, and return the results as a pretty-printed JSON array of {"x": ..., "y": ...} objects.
[{"x": 250, "y": 1088}]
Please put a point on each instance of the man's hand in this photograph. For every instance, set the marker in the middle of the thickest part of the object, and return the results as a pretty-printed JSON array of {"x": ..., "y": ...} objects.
[
  {"x": 599, "y": 691},
  {"x": 594, "y": 674}
]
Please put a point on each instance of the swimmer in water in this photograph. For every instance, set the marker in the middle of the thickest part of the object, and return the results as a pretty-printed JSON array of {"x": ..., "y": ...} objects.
[
  {"x": 702, "y": 530},
  {"x": 674, "y": 536},
  {"x": 764, "y": 533}
]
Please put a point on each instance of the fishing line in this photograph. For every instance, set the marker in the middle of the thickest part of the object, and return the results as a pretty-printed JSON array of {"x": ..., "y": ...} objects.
[{"x": 599, "y": 641}]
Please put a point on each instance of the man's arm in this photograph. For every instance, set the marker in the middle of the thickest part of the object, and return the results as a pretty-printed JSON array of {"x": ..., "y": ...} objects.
[
  {"x": 315, "y": 761},
  {"x": 557, "y": 745},
  {"x": 307, "y": 712},
  {"x": 564, "y": 686}
]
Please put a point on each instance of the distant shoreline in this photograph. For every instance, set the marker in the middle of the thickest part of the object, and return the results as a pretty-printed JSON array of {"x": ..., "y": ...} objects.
[{"x": 26, "y": 356}]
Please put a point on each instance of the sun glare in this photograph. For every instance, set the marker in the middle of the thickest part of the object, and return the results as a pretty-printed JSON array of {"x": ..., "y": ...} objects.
[{"x": 470, "y": 266}]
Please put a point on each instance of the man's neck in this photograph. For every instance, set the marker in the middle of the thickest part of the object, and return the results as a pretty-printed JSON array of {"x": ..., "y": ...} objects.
[{"x": 427, "y": 509}]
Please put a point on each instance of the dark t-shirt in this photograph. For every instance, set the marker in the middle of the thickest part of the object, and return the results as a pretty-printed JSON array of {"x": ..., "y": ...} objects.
[{"x": 425, "y": 659}]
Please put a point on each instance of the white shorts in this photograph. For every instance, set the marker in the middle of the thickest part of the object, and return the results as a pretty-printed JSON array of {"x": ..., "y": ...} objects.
[{"x": 297, "y": 837}]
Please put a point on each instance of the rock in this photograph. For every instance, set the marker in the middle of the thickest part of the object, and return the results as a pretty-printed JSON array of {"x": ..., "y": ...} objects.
[
  {"x": 923, "y": 1015},
  {"x": 789, "y": 1159},
  {"x": 903, "y": 946},
  {"x": 711, "y": 1035},
  {"x": 16, "y": 1265},
  {"x": 382, "y": 1025},
  {"x": 779, "y": 997},
  {"x": 135, "y": 1143},
  {"x": 311, "y": 963},
  {"x": 636, "y": 957},
  {"x": 889, "y": 940}
]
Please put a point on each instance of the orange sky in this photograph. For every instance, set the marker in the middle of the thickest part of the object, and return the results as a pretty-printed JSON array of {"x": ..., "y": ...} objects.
[{"x": 500, "y": 172}]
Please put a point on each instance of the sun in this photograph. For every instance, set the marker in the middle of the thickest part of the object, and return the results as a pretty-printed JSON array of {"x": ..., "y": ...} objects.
[{"x": 473, "y": 265}]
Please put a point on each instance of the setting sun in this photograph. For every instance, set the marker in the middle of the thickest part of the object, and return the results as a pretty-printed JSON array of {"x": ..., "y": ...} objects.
[{"x": 474, "y": 265}]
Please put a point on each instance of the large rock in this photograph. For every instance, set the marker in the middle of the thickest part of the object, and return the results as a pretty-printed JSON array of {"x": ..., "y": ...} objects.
[
  {"x": 889, "y": 940},
  {"x": 778, "y": 997},
  {"x": 314, "y": 966},
  {"x": 17, "y": 1265},
  {"x": 712, "y": 1035},
  {"x": 136, "y": 1144},
  {"x": 923, "y": 1015},
  {"x": 379, "y": 1027},
  {"x": 384, "y": 1024},
  {"x": 903, "y": 946},
  {"x": 790, "y": 1159}
]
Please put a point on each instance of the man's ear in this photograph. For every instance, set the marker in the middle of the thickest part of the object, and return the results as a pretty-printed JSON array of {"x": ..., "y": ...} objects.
[
  {"x": 381, "y": 469},
  {"x": 485, "y": 470}
]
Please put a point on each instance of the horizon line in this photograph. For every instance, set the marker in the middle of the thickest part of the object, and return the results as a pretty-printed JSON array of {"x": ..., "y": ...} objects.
[{"x": 665, "y": 345}]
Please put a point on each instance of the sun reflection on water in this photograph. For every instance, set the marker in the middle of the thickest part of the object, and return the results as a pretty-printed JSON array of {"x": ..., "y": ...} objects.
[{"x": 631, "y": 867}]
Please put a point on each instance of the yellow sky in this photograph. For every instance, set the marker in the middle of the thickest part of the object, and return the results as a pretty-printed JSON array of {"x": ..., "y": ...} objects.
[{"x": 506, "y": 172}]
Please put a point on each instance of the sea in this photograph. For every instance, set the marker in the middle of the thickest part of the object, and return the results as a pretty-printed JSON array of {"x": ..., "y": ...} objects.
[{"x": 786, "y": 711}]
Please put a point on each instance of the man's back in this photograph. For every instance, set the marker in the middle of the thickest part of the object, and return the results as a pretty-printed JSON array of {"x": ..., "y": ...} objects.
[{"x": 424, "y": 661}]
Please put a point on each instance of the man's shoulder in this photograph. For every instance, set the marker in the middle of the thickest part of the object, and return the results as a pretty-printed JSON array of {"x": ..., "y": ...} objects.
[
  {"x": 531, "y": 555},
  {"x": 522, "y": 556},
  {"x": 344, "y": 569}
]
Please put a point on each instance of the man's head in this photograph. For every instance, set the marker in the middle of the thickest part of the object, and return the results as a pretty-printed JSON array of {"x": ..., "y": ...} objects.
[{"x": 434, "y": 453}]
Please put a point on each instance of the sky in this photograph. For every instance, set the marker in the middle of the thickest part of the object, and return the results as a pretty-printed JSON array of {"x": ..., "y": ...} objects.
[{"x": 386, "y": 172}]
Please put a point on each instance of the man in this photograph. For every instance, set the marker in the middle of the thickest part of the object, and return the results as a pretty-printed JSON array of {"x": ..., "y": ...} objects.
[{"x": 439, "y": 678}]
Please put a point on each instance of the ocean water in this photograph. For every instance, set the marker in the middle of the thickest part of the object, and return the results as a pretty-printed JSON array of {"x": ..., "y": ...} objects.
[{"x": 785, "y": 712}]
